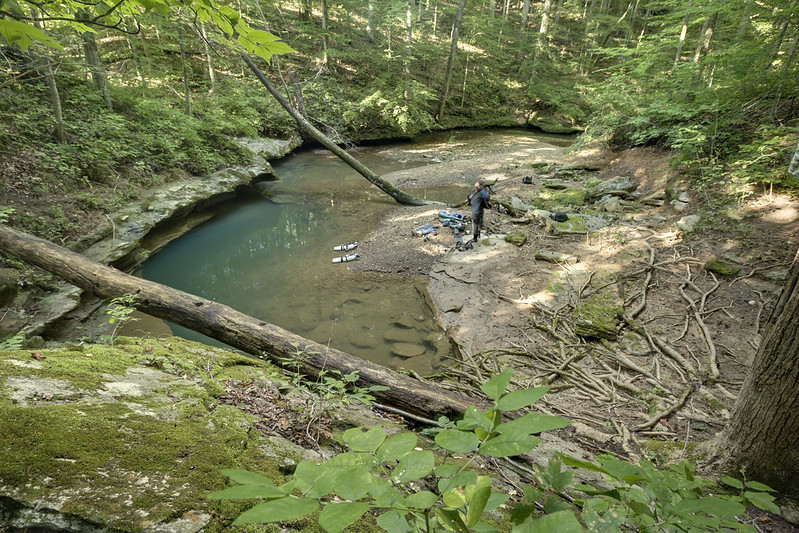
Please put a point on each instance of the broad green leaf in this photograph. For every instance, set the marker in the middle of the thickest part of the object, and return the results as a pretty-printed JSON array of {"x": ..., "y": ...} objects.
[
  {"x": 763, "y": 500},
  {"x": 457, "y": 441},
  {"x": 461, "y": 479},
  {"x": 494, "y": 387},
  {"x": 352, "y": 483},
  {"x": 240, "y": 492},
  {"x": 422, "y": 500},
  {"x": 347, "y": 459},
  {"x": 577, "y": 463},
  {"x": 280, "y": 510},
  {"x": 384, "y": 493},
  {"x": 495, "y": 500},
  {"x": 261, "y": 36},
  {"x": 560, "y": 522},
  {"x": 277, "y": 48},
  {"x": 521, "y": 512},
  {"x": 394, "y": 522},
  {"x": 711, "y": 505},
  {"x": 509, "y": 445},
  {"x": 25, "y": 34},
  {"x": 395, "y": 447},
  {"x": 454, "y": 499},
  {"x": 732, "y": 482},
  {"x": 473, "y": 418},
  {"x": 477, "y": 496},
  {"x": 245, "y": 477},
  {"x": 754, "y": 485},
  {"x": 534, "y": 423},
  {"x": 361, "y": 440},
  {"x": 336, "y": 516},
  {"x": 452, "y": 520},
  {"x": 521, "y": 398},
  {"x": 314, "y": 480},
  {"x": 641, "y": 509},
  {"x": 446, "y": 470},
  {"x": 414, "y": 465}
]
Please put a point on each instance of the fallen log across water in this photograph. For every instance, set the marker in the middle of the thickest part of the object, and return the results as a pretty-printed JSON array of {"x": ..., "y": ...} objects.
[{"x": 232, "y": 327}]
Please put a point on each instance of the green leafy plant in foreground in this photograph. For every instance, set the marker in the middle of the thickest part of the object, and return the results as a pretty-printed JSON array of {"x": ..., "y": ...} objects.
[
  {"x": 120, "y": 311},
  {"x": 383, "y": 473},
  {"x": 409, "y": 489}
]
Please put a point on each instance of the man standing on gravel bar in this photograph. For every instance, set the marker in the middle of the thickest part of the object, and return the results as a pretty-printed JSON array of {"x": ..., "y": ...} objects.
[{"x": 479, "y": 201}]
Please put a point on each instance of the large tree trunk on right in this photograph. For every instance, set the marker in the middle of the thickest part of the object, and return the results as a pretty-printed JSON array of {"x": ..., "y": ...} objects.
[
  {"x": 763, "y": 432},
  {"x": 362, "y": 169}
]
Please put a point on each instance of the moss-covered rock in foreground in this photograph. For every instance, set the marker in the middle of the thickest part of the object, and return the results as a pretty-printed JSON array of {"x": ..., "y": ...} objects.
[{"x": 123, "y": 438}]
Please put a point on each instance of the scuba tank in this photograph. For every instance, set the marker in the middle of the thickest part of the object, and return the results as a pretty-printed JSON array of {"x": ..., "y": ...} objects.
[
  {"x": 346, "y": 258},
  {"x": 345, "y": 247}
]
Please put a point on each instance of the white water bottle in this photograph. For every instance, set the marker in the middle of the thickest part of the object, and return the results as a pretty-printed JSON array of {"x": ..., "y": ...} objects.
[
  {"x": 346, "y": 258},
  {"x": 345, "y": 247}
]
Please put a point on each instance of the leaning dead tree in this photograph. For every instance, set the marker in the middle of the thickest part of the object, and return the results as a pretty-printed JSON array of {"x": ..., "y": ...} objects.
[
  {"x": 328, "y": 143},
  {"x": 232, "y": 327}
]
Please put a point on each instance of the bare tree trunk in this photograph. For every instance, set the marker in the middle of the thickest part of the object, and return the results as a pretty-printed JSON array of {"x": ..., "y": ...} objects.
[
  {"x": 295, "y": 84},
  {"x": 376, "y": 180},
  {"x": 456, "y": 28},
  {"x": 52, "y": 88},
  {"x": 92, "y": 55},
  {"x": 544, "y": 29},
  {"x": 763, "y": 432},
  {"x": 525, "y": 14},
  {"x": 209, "y": 56},
  {"x": 793, "y": 170},
  {"x": 780, "y": 37},
  {"x": 408, "y": 47},
  {"x": 227, "y": 325},
  {"x": 325, "y": 36},
  {"x": 683, "y": 35},
  {"x": 370, "y": 21},
  {"x": 186, "y": 95}
]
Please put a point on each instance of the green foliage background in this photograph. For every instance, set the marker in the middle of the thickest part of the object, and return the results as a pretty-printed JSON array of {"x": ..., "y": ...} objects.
[{"x": 726, "y": 105}]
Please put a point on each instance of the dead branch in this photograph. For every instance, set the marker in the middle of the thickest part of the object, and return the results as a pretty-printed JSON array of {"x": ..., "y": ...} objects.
[{"x": 649, "y": 424}]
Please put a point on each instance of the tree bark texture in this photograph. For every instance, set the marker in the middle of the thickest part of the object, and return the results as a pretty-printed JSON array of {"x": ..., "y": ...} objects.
[
  {"x": 227, "y": 325},
  {"x": 763, "y": 432},
  {"x": 362, "y": 169},
  {"x": 92, "y": 55},
  {"x": 186, "y": 93},
  {"x": 453, "y": 49}
]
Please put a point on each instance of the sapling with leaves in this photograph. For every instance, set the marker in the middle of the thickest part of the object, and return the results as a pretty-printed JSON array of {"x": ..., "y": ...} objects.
[
  {"x": 120, "y": 312},
  {"x": 380, "y": 473}
]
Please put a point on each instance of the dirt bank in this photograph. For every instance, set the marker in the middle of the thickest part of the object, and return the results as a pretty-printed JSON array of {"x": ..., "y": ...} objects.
[{"x": 503, "y": 307}]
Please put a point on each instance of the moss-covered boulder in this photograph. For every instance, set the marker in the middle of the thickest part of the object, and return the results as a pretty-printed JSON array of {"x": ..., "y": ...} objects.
[
  {"x": 721, "y": 267},
  {"x": 124, "y": 438},
  {"x": 598, "y": 315},
  {"x": 516, "y": 237}
]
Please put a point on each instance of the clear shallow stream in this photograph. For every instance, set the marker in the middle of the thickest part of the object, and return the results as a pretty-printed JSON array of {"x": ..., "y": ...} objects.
[{"x": 271, "y": 258}]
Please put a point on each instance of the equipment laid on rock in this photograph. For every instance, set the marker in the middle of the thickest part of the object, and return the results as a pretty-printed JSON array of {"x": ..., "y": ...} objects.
[
  {"x": 345, "y": 247},
  {"x": 424, "y": 229},
  {"x": 454, "y": 224},
  {"x": 459, "y": 244},
  {"x": 346, "y": 258},
  {"x": 446, "y": 215}
]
